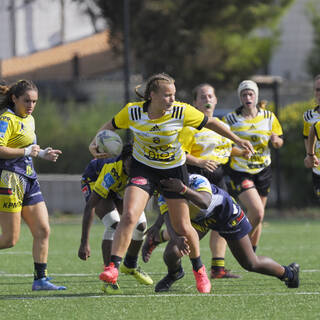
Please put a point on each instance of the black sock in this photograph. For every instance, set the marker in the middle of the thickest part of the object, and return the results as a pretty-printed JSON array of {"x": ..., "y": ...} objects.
[
  {"x": 130, "y": 261},
  {"x": 40, "y": 270},
  {"x": 288, "y": 274},
  {"x": 175, "y": 273},
  {"x": 254, "y": 248},
  {"x": 196, "y": 263},
  {"x": 116, "y": 260}
]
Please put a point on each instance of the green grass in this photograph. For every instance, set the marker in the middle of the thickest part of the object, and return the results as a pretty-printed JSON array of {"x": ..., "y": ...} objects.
[{"x": 254, "y": 296}]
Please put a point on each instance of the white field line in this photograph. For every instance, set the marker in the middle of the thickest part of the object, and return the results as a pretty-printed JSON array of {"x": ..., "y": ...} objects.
[
  {"x": 158, "y": 296},
  {"x": 24, "y": 275}
]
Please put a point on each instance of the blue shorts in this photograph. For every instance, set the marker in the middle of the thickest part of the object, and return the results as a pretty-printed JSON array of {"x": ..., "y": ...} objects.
[{"x": 233, "y": 229}]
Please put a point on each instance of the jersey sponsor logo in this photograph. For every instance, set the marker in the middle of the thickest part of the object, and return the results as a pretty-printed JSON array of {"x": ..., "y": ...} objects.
[
  {"x": 3, "y": 128},
  {"x": 11, "y": 205},
  {"x": 142, "y": 181},
  {"x": 108, "y": 181},
  {"x": 156, "y": 140},
  {"x": 247, "y": 184},
  {"x": 238, "y": 219},
  {"x": 155, "y": 128},
  {"x": 85, "y": 190}
]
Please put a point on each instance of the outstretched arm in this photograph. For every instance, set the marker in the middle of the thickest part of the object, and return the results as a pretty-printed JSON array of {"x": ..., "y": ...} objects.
[{"x": 87, "y": 219}]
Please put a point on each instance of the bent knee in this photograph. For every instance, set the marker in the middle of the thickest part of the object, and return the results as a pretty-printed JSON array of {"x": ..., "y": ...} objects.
[
  {"x": 42, "y": 233},
  {"x": 8, "y": 241}
]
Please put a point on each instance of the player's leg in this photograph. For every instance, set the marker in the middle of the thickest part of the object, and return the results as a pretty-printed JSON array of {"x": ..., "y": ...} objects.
[
  {"x": 10, "y": 229},
  {"x": 130, "y": 263},
  {"x": 243, "y": 252},
  {"x": 135, "y": 200},
  {"x": 36, "y": 217},
  {"x": 175, "y": 270},
  {"x": 180, "y": 220},
  {"x": 218, "y": 247}
]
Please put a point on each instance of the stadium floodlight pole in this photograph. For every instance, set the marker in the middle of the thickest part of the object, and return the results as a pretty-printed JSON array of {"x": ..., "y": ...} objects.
[
  {"x": 126, "y": 56},
  {"x": 273, "y": 82}
]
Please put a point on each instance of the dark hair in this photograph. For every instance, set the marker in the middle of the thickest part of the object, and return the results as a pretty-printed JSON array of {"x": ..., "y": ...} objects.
[
  {"x": 153, "y": 84},
  {"x": 18, "y": 89},
  {"x": 199, "y": 86},
  {"x": 126, "y": 152}
]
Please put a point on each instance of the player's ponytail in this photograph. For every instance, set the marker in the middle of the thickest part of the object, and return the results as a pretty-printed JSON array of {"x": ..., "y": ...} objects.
[{"x": 17, "y": 89}]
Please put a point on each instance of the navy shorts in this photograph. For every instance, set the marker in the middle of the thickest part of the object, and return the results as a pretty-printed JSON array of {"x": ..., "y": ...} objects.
[
  {"x": 32, "y": 194},
  {"x": 148, "y": 178},
  {"x": 234, "y": 229}
]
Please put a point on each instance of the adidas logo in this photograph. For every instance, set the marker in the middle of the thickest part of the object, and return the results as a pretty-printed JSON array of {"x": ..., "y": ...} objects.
[
  {"x": 155, "y": 128},
  {"x": 252, "y": 127}
]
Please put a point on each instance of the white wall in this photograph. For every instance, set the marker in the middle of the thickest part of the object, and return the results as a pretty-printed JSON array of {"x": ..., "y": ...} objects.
[{"x": 38, "y": 25}]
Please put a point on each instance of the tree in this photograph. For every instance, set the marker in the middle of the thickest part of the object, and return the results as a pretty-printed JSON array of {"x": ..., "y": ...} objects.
[
  {"x": 313, "y": 60},
  {"x": 221, "y": 41}
]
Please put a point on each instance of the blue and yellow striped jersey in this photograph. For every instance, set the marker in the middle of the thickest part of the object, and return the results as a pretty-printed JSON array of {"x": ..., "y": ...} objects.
[
  {"x": 17, "y": 132},
  {"x": 156, "y": 142}
]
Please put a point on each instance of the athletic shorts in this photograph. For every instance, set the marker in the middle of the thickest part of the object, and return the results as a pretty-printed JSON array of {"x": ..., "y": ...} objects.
[
  {"x": 234, "y": 229},
  {"x": 242, "y": 181},
  {"x": 17, "y": 191},
  {"x": 148, "y": 178},
  {"x": 316, "y": 185}
]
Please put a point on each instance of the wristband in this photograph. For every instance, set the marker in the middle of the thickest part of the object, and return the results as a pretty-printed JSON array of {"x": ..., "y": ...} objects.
[
  {"x": 310, "y": 154},
  {"x": 184, "y": 190},
  {"x": 41, "y": 153},
  {"x": 28, "y": 150}
]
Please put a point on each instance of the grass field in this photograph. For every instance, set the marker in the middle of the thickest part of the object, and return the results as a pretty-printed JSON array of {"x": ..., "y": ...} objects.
[{"x": 253, "y": 296}]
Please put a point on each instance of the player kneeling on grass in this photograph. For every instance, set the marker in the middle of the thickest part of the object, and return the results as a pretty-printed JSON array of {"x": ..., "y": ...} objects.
[
  {"x": 211, "y": 208},
  {"x": 103, "y": 184}
]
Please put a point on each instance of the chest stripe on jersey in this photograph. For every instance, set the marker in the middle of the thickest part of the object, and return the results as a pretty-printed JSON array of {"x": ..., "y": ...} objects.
[
  {"x": 308, "y": 115},
  {"x": 231, "y": 118}
]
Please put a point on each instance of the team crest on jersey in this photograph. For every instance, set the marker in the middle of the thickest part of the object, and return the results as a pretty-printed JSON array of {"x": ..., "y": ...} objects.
[
  {"x": 156, "y": 140},
  {"x": 139, "y": 180},
  {"x": 238, "y": 219},
  {"x": 85, "y": 191}
]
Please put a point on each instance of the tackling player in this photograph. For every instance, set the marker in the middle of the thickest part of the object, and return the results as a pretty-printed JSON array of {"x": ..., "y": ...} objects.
[
  {"x": 211, "y": 208},
  {"x": 102, "y": 184}
]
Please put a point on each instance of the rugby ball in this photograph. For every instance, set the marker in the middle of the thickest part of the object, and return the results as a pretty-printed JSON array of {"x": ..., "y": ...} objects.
[{"x": 109, "y": 142}]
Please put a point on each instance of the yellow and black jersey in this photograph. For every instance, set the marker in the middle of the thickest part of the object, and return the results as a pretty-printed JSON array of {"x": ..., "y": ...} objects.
[
  {"x": 156, "y": 142},
  {"x": 17, "y": 132},
  {"x": 206, "y": 144},
  {"x": 111, "y": 178},
  {"x": 310, "y": 117},
  {"x": 258, "y": 131}
]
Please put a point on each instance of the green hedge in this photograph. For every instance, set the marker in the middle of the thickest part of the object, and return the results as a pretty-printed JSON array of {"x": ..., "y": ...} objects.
[
  {"x": 70, "y": 127},
  {"x": 297, "y": 179}
]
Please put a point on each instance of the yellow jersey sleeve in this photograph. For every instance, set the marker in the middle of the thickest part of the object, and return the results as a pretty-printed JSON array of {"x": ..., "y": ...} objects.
[
  {"x": 317, "y": 129},
  {"x": 121, "y": 119},
  {"x": 276, "y": 127},
  {"x": 194, "y": 118}
]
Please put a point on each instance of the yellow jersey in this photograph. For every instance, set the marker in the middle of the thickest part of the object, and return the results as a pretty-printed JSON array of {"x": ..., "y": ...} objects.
[
  {"x": 206, "y": 144},
  {"x": 310, "y": 117},
  {"x": 111, "y": 178},
  {"x": 17, "y": 132},
  {"x": 258, "y": 131},
  {"x": 156, "y": 142}
]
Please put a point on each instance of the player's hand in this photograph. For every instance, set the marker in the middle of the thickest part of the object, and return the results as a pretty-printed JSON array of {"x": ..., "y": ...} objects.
[
  {"x": 182, "y": 247},
  {"x": 311, "y": 161},
  {"x": 32, "y": 150},
  {"x": 245, "y": 144},
  {"x": 49, "y": 154},
  {"x": 84, "y": 251},
  {"x": 172, "y": 185},
  {"x": 276, "y": 141},
  {"x": 246, "y": 154},
  {"x": 93, "y": 148},
  {"x": 209, "y": 165}
]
